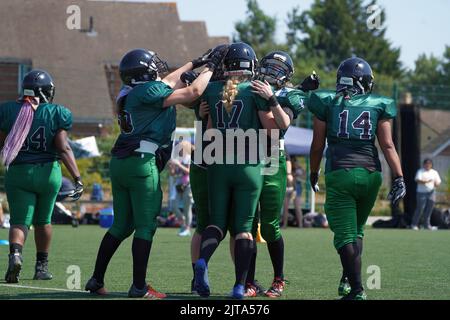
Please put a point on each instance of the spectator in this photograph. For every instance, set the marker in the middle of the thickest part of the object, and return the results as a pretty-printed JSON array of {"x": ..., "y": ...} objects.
[
  {"x": 183, "y": 187},
  {"x": 294, "y": 189},
  {"x": 427, "y": 180},
  {"x": 298, "y": 173},
  {"x": 172, "y": 189}
]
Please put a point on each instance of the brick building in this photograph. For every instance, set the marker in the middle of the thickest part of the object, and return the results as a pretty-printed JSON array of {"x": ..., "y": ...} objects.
[{"x": 83, "y": 63}]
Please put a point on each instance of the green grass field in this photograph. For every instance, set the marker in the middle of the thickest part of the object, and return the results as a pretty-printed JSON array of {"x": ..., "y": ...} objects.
[{"x": 414, "y": 265}]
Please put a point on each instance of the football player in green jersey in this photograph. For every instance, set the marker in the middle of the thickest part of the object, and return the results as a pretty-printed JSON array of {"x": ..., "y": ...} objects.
[
  {"x": 33, "y": 137},
  {"x": 146, "y": 113},
  {"x": 349, "y": 119},
  {"x": 235, "y": 109},
  {"x": 276, "y": 69}
]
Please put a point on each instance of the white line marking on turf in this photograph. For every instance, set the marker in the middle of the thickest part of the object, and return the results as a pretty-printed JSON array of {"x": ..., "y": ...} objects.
[{"x": 39, "y": 288}]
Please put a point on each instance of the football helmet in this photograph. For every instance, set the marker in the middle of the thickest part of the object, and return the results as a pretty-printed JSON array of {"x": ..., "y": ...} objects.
[
  {"x": 38, "y": 83},
  {"x": 240, "y": 60},
  {"x": 354, "y": 75},
  {"x": 141, "y": 65},
  {"x": 276, "y": 68}
]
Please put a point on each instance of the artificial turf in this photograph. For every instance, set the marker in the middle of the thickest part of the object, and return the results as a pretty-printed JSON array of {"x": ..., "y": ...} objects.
[{"x": 413, "y": 265}]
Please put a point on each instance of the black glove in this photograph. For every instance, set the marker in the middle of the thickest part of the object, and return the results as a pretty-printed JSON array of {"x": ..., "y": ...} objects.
[
  {"x": 202, "y": 60},
  {"x": 217, "y": 55},
  {"x": 79, "y": 188},
  {"x": 314, "y": 180},
  {"x": 188, "y": 77},
  {"x": 310, "y": 83},
  {"x": 398, "y": 190}
]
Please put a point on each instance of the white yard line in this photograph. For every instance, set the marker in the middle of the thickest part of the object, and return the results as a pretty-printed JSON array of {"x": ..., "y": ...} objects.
[{"x": 38, "y": 288}]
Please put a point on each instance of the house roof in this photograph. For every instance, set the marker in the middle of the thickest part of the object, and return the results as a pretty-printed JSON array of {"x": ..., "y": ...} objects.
[
  {"x": 37, "y": 31},
  {"x": 435, "y": 129}
]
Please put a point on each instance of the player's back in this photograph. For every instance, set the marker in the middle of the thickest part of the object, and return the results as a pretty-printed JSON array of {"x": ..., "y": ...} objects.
[
  {"x": 351, "y": 127},
  {"x": 146, "y": 116},
  {"x": 48, "y": 119}
]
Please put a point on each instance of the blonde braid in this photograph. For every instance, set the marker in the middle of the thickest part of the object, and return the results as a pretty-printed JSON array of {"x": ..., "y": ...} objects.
[{"x": 230, "y": 92}]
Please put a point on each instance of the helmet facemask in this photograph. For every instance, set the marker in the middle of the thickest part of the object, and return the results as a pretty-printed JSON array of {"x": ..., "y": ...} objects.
[{"x": 274, "y": 72}]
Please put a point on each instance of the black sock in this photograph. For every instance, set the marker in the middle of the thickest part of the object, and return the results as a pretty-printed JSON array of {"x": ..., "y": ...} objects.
[
  {"x": 252, "y": 267},
  {"x": 211, "y": 238},
  {"x": 107, "y": 249},
  {"x": 276, "y": 251},
  {"x": 193, "y": 269},
  {"x": 351, "y": 259},
  {"x": 141, "y": 253},
  {"x": 243, "y": 250},
  {"x": 41, "y": 256},
  {"x": 15, "y": 248}
]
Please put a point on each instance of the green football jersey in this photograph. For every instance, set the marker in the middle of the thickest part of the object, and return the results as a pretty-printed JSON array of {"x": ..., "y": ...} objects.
[
  {"x": 244, "y": 114},
  {"x": 291, "y": 98},
  {"x": 146, "y": 118},
  {"x": 39, "y": 145},
  {"x": 199, "y": 139},
  {"x": 351, "y": 127}
]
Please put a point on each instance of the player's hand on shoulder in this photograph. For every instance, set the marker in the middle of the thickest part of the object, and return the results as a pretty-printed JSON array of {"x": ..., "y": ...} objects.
[{"x": 263, "y": 89}]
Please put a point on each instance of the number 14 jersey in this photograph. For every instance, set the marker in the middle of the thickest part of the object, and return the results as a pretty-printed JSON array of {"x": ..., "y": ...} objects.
[
  {"x": 351, "y": 127},
  {"x": 39, "y": 145}
]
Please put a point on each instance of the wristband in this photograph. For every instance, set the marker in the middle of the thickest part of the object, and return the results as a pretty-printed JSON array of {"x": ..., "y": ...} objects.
[{"x": 273, "y": 102}]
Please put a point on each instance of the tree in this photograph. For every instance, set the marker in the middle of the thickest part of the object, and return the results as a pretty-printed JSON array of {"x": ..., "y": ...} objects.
[
  {"x": 333, "y": 30},
  {"x": 258, "y": 29}
]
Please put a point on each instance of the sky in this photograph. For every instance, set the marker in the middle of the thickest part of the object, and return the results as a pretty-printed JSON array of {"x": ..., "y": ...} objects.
[{"x": 416, "y": 26}]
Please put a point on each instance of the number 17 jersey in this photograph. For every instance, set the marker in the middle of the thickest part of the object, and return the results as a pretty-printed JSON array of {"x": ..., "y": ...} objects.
[{"x": 351, "y": 127}]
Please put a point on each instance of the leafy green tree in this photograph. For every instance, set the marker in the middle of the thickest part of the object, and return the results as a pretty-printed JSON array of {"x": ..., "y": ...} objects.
[
  {"x": 258, "y": 29},
  {"x": 333, "y": 30}
]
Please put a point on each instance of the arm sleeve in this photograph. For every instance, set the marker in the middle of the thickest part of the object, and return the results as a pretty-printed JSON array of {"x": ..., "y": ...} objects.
[
  {"x": 296, "y": 101},
  {"x": 438, "y": 178},
  {"x": 64, "y": 119},
  {"x": 390, "y": 110},
  {"x": 317, "y": 107},
  {"x": 155, "y": 93}
]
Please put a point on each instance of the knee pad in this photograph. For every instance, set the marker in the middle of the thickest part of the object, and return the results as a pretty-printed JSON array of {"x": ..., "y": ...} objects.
[{"x": 120, "y": 233}]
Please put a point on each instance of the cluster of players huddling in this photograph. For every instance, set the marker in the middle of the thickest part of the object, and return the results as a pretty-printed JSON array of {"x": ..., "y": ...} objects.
[{"x": 231, "y": 92}]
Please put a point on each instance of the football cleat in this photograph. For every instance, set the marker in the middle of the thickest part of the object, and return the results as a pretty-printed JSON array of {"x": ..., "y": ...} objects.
[
  {"x": 41, "y": 271},
  {"x": 95, "y": 287},
  {"x": 277, "y": 288},
  {"x": 238, "y": 292},
  {"x": 253, "y": 290},
  {"x": 14, "y": 267},
  {"x": 344, "y": 288},
  {"x": 360, "y": 295},
  {"x": 147, "y": 292},
  {"x": 201, "y": 278}
]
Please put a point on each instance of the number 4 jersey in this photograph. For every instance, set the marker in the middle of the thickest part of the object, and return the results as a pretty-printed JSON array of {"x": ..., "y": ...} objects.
[
  {"x": 39, "y": 145},
  {"x": 351, "y": 127}
]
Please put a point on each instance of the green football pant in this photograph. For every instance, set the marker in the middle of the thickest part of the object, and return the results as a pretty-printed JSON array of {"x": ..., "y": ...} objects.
[
  {"x": 235, "y": 189},
  {"x": 350, "y": 197},
  {"x": 198, "y": 178},
  {"x": 271, "y": 202},
  {"x": 137, "y": 196},
  {"x": 31, "y": 190}
]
